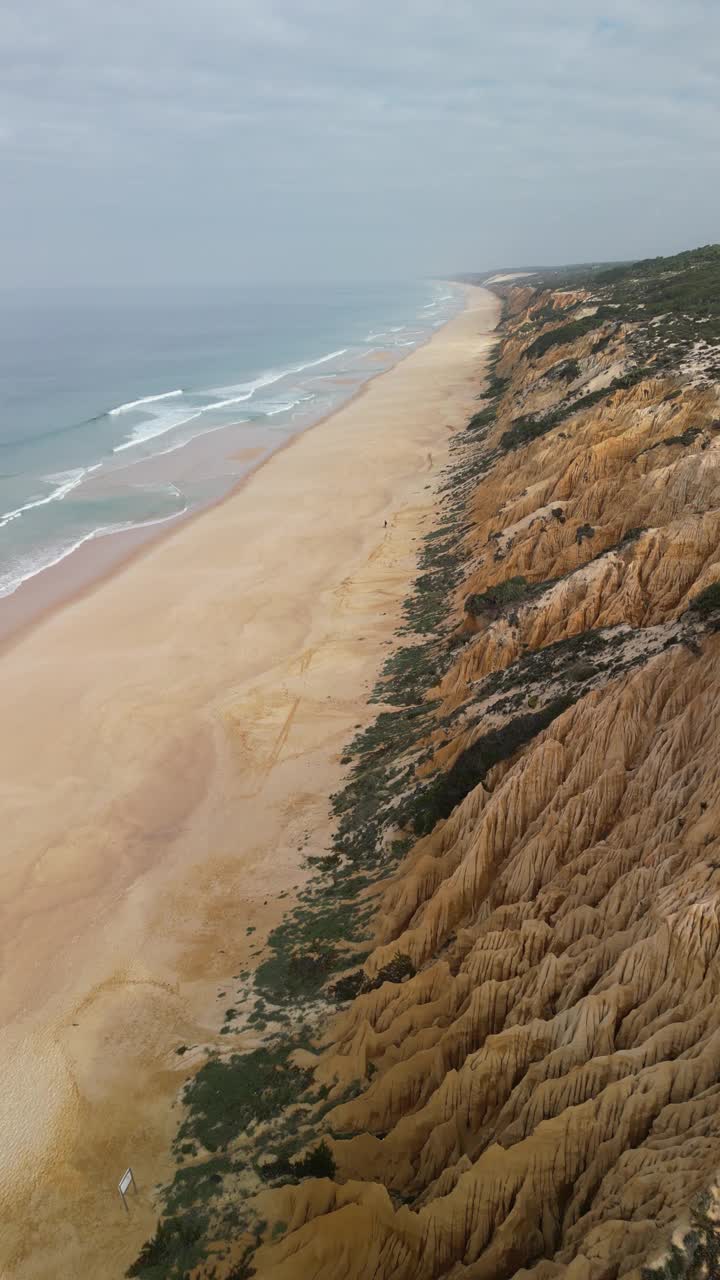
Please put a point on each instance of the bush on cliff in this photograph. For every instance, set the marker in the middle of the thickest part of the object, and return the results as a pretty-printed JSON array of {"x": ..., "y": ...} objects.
[
  {"x": 493, "y": 600},
  {"x": 707, "y": 601},
  {"x": 564, "y": 334},
  {"x": 448, "y": 789}
]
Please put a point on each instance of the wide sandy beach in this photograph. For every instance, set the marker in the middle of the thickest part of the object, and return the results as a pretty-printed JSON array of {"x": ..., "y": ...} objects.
[{"x": 169, "y": 743}]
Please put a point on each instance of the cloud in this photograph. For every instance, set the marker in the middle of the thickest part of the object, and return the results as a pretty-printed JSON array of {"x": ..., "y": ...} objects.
[{"x": 527, "y": 130}]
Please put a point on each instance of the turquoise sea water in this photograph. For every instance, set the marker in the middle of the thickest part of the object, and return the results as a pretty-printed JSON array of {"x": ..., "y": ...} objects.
[{"x": 101, "y": 392}]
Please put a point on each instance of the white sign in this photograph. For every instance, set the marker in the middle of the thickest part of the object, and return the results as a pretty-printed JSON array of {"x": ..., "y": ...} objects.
[{"x": 124, "y": 1184}]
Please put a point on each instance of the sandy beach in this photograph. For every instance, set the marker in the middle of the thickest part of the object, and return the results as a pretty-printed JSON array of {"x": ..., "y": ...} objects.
[{"x": 169, "y": 742}]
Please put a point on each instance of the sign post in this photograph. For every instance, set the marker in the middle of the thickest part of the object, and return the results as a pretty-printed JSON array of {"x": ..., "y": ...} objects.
[{"x": 124, "y": 1185}]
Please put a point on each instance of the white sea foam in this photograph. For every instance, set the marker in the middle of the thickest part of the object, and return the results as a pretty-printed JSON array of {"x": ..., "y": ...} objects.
[
  {"x": 69, "y": 480},
  {"x": 274, "y": 375},
  {"x": 222, "y": 404},
  {"x": 160, "y": 424},
  {"x": 137, "y": 404},
  {"x": 271, "y": 407},
  {"x": 180, "y": 444},
  {"x": 281, "y": 408},
  {"x": 10, "y": 582},
  {"x": 155, "y": 427},
  {"x": 332, "y": 355}
]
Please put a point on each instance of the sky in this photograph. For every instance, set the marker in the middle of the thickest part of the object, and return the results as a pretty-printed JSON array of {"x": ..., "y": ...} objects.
[{"x": 180, "y": 141}]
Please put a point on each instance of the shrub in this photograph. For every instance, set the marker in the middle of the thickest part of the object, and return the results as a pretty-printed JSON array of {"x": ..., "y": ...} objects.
[
  {"x": 565, "y": 333},
  {"x": 699, "y": 1255},
  {"x": 176, "y": 1244},
  {"x": 527, "y": 428},
  {"x": 348, "y": 987},
  {"x": 496, "y": 386},
  {"x": 483, "y": 418},
  {"x": 687, "y": 437},
  {"x": 318, "y": 1163},
  {"x": 400, "y": 967},
  {"x": 492, "y": 600},
  {"x": 707, "y": 601},
  {"x": 448, "y": 789},
  {"x": 565, "y": 371},
  {"x": 358, "y": 983},
  {"x": 226, "y": 1096}
]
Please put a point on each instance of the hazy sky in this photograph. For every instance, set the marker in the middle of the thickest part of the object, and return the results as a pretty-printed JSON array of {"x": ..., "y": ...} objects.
[{"x": 196, "y": 140}]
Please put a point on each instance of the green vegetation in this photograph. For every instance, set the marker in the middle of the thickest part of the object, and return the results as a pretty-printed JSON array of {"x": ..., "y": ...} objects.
[
  {"x": 564, "y": 334},
  {"x": 631, "y": 536},
  {"x": 525, "y": 429},
  {"x": 494, "y": 385},
  {"x": 227, "y": 1096},
  {"x": 698, "y": 1257},
  {"x": 173, "y": 1251},
  {"x": 569, "y": 370},
  {"x": 498, "y": 597},
  {"x": 357, "y": 983},
  {"x": 708, "y": 601},
  {"x": 673, "y": 302},
  {"x": 686, "y": 437},
  {"x": 484, "y": 418},
  {"x": 447, "y": 790},
  {"x": 582, "y": 532},
  {"x": 318, "y": 1163}
]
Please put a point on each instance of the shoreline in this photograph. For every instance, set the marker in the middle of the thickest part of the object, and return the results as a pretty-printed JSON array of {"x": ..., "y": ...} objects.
[
  {"x": 138, "y": 542},
  {"x": 75, "y": 575},
  {"x": 205, "y": 691}
]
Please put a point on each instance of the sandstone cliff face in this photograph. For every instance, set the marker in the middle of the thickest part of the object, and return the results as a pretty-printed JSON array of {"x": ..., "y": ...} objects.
[
  {"x": 542, "y": 1097},
  {"x": 523, "y": 1078}
]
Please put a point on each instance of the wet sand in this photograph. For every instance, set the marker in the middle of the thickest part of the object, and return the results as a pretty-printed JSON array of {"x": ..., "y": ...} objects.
[{"x": 169, "y": 742}]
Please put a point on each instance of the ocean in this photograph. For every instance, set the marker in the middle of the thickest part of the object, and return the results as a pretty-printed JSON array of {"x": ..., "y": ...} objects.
[{"x": 126, "y": 408}]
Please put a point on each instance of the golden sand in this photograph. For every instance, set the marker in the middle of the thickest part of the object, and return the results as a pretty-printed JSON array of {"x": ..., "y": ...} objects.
[{"x": 169, "y": 743}]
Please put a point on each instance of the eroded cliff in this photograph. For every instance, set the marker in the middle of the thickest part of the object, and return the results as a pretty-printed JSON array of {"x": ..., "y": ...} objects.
[{"x": 495, "y": 1027}]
